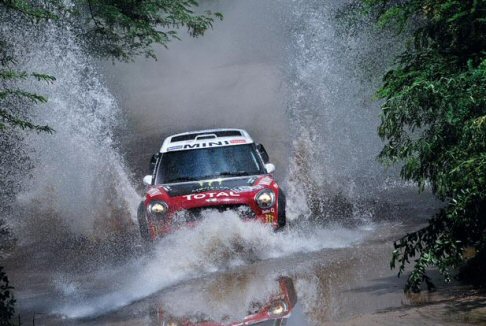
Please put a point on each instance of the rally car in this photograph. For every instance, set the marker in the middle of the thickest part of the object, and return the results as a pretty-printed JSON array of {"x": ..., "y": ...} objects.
[{"x": 218, "y": 169}]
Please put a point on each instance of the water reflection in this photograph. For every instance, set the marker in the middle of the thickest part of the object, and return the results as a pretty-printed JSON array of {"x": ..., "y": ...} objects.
[
  {"x": 256, "y": 295},
  {"x": 242, "y": 302}
]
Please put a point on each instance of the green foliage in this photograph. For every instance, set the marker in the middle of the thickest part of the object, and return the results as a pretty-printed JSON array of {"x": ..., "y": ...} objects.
[
  {"x": 7, "y": 301},
  {"x": 124, "y": 28},
  {"x": 38, "y": 10},
  {"x": 121, "y": 29},
  {"x": 434, "y": 123},
  {"x": 12, "y": 98},
  {"x": 117, "y": 29}
]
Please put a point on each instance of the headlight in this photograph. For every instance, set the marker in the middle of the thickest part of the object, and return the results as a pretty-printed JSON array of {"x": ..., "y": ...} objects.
[
  {"x": 158, "y": 208},
  {"x": 278, "y": 308},
  {"x": 265, "y": 198}
]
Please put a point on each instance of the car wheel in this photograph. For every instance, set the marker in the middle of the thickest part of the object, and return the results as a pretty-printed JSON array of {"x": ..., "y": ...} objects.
[
  {"x": 142, "y": 223},
  {"x": 282, "y": 216}
]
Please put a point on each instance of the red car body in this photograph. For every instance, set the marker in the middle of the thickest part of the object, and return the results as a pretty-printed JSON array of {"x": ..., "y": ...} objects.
[
  {"x": 186, "y": 198},
  {"x": 184, "y": 203}
]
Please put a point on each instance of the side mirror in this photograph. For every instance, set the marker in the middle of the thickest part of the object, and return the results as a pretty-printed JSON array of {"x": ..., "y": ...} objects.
[
  {"x": 263, "y": 153},
  {"x": 147, "y": 180},
  {"x": 269, "y": 167},
  {"x": 153, "y": 162}
]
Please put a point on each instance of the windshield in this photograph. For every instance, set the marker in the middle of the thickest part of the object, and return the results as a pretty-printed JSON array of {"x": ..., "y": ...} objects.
[{"x": 206, "y": 163}]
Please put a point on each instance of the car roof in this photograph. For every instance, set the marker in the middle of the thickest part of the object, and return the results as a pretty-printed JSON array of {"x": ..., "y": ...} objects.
[{"x": 205, "y": 138}]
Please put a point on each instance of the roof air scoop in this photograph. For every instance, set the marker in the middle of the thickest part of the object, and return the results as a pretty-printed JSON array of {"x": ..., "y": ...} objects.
[{"x": 205, "y": 136}]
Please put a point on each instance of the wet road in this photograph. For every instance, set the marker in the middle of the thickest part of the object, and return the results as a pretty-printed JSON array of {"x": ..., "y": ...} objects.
[{"x": 311, "y": 275}]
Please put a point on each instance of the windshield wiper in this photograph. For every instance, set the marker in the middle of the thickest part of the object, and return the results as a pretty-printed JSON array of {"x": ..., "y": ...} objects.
[
  {"x": 205, "y": 177},
  {"x": 235, "y": 173},
  {"x": 181, "y": 179},
  {"x": 199, "y": 178}
]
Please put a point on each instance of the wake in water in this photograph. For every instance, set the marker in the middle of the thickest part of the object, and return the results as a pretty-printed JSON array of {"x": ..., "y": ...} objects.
[{"x": 220, "y": 243}]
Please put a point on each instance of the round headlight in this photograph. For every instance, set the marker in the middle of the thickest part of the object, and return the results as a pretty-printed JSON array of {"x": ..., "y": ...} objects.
[
  {"x": 265, "y": 198},
  {"x": 158, "y": 208}
]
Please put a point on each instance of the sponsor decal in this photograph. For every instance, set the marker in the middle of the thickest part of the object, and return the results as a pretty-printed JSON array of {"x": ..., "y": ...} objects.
[
  {"x": 244, "y": 189},
  {"x": 238, "y": 141},
  {"x": 210, "y": 144},
  {"x": 174, "y": 148},
  {"x": 269, "y": 218},
  {"x": 266, "y": 181},
  {"x": 153, "y": 192},
  {"x": 204, "y": 189},
  {"x": 212, "y": 195}
]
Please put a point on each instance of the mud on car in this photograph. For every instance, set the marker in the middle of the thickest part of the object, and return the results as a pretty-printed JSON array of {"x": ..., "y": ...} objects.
[{"x": 199, "y": 171}]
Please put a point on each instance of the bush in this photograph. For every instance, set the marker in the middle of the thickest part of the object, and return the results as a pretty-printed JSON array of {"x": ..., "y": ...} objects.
[{"x": 433, "y": 122}]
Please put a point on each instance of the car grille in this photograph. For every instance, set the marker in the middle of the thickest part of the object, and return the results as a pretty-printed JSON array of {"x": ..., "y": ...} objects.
[{"x": 196, "y": 214}]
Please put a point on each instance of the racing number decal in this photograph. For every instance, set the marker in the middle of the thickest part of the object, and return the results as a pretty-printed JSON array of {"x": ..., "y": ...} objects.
[{"x": 269, "y": 218}]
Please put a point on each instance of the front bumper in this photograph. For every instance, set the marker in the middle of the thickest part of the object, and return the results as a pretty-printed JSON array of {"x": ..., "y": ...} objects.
[{"x": 178, "y": 219}]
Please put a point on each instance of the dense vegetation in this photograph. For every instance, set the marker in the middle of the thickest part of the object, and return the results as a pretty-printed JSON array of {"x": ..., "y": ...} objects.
[
  {"x": 117, "y": 29},
  {"x": 434, "y": 123}
]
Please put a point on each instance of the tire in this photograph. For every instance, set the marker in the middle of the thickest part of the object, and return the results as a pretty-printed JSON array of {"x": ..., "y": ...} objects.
[
  {"x": 142, "y": 223},
  {"x": 282, "y": 216}
]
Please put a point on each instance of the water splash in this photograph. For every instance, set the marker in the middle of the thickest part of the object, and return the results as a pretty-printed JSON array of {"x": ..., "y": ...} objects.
[
  {"x": 332, "y": 112},
  {"x": 221, "y": 242},
  {"x": 77, "y": 177}
]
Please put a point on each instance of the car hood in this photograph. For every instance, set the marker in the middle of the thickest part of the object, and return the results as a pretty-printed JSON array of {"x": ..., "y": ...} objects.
[{"x": 186, "y": 188}]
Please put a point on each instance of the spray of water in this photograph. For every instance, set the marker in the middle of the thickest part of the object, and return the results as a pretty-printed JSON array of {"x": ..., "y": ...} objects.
[
  {"x": 332, "y": 112},
  {"x": 221, "y": 242},
  {"x": 77, "y": 177}
]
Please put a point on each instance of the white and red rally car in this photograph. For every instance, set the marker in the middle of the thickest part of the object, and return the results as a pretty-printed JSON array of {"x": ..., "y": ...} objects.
[{"x": 218, "y": 169}]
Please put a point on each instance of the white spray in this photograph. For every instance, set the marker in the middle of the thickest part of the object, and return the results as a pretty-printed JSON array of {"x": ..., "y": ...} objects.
[
  {"x": 77, "y": 176},
  {"x": 221, "y": 242}
]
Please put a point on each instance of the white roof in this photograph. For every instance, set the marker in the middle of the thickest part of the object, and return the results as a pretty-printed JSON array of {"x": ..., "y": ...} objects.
[{"x": 205, "y": 139}]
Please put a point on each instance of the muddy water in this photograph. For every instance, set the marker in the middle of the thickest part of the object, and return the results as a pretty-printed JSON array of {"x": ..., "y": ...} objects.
[{"x": 225, "y": 270}]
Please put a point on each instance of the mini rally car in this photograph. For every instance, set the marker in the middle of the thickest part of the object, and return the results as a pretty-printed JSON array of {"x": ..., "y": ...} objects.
[{"x": 220, "y": 169}]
